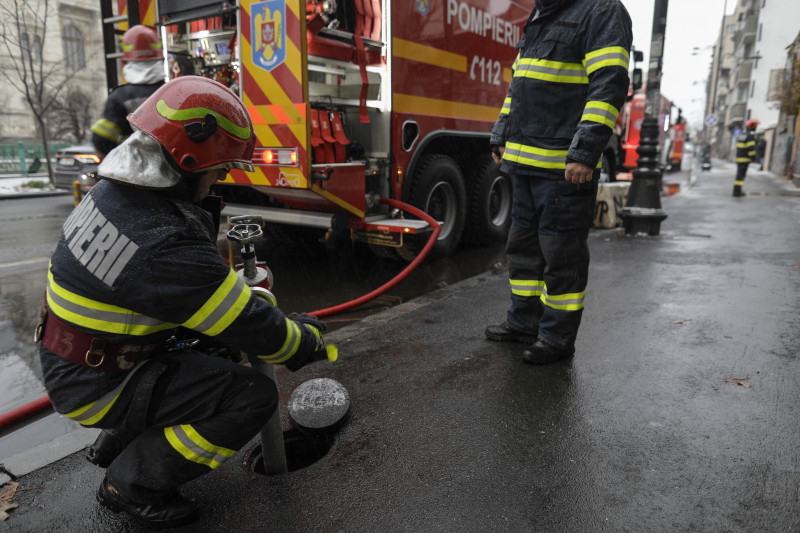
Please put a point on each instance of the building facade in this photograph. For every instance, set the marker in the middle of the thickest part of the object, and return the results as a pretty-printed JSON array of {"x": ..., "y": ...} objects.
[
  {"x": 65, "y": 37},
  {"x": 748, "y": 69}
]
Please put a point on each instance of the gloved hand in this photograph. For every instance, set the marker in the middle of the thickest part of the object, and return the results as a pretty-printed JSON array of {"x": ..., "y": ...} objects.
[{"x": 312, "y": 345}]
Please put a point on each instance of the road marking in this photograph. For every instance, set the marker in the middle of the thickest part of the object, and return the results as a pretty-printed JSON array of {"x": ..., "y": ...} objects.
[{"x": 36, "y": 261}]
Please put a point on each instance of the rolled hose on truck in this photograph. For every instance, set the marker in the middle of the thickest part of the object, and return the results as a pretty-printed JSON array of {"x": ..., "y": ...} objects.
[{"x": 30, "y": 409}]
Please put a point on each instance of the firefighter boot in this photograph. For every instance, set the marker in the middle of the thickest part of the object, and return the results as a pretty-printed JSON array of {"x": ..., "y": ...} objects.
[
  {"x": 109, "y": 444},
  {"x": 505, "y": 332},
  {"x": 737, "y": 191},
  {"x": 172, "y": 511},
  {"x": 544, "y": 353}
]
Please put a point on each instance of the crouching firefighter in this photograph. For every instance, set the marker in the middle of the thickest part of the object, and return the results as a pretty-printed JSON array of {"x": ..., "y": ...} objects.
[{"x": 136, "y": 268}]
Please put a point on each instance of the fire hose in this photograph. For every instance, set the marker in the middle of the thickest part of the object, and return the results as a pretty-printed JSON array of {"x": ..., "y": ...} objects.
[{"x": 32, "y": 408}]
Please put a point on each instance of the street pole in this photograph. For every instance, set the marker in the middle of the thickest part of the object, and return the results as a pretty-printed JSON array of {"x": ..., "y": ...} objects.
[{"x": 642, "y": 212}]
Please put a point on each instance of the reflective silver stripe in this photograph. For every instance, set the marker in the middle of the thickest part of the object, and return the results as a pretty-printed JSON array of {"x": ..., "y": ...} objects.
[
  {"x": 227, "y": 303},
  {"x": 554, "y": 71},
  {"x": 92, "y": 413},
  {"x": 289, "y": 347},
  {"x": 185, "y": 444},
  {"x": 606, "y": 57},
  {"x": 540, "y": 157}
]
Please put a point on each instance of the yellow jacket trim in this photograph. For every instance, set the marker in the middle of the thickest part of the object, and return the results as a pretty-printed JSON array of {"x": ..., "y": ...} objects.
[
  {"x": 224, "y": 306},
  {"x": 99, "y": 316},
  {"x": 107, "y": 130},
  {"x": 602, "y": 112},
  {"x": 290, "y": 345},
  {"x": 554, "y": 71},
  {"x": 612, "y": 56}
]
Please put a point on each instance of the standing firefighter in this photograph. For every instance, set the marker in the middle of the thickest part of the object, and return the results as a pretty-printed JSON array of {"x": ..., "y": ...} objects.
[
  {"x": 745, "y": 154},
  {"x": 143, "y": 70},
  {"x": 135, "y": 281},
  {"x": 570, "y": 81}
]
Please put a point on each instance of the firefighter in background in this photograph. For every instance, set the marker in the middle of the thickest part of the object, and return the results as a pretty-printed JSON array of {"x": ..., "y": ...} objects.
[
  {"x": 745, "y": 154},
  {"x": 569, "y": 82},
  {"x": 143, "y": 72},
  {"x": 135, "y": 281}
]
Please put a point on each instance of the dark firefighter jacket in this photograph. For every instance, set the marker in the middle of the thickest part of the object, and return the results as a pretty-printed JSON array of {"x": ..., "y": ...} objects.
[
  {"x": 131, "y": 266},
  {"x": 746, "y": 147},
  {"x": 570, "y": 80},
  {"x": 112, "y": 128}
]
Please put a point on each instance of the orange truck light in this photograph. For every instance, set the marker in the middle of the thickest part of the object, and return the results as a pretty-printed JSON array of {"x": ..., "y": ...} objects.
[{"x": 275, "y": 156}]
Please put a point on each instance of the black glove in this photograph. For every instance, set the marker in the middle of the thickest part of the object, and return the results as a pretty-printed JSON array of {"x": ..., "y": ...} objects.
[{"x": 312, "y": 345}]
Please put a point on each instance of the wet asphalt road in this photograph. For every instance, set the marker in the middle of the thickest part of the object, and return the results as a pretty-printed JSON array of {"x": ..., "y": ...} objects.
[{"x": 678, "y": 413}]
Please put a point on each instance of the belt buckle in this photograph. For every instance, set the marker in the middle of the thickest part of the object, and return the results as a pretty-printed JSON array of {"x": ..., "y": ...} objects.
[{"x": 98, "y": 347}]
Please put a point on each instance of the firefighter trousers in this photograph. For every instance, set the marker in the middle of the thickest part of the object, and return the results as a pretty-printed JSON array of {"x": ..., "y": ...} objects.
[
  {"x": 741, "y": 173},
  {"x": 548, "y": 256},
  {"x": 202, "y": 409}
]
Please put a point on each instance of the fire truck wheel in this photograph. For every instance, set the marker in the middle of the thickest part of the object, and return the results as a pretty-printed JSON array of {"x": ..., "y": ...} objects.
[
  {"x": 438, "y": 189},
  {"x": 490, "y": 205}
]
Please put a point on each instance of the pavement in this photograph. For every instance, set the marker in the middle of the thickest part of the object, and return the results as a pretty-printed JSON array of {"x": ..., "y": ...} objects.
[
  {"x": 679, "y": 411},
  {"x": 18, "y": 186}
]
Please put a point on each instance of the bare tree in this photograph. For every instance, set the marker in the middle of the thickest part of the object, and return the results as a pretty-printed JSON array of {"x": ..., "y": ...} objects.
[
  {"x": 23, "y": 29},
  {"x": 71, "y": 116}
]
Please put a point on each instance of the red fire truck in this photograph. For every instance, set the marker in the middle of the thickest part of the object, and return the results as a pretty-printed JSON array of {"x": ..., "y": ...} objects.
[
  {"x": 671, "y": 136},
  {"x": 353, "y": 101}
]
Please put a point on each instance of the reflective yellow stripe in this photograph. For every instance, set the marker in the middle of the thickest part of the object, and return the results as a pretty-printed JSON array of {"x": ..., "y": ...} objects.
[
  {"x": 547, "y": 70},
  {"x": 107, "y": 130},
  {"x": 564, "y": 302},
  {"x": 527, "y": 288},
  {"x": 612, "y": 56},
  {"x": 738, "y": 183},
  {"x": 602, "y": 112},
  {"x": 99, "y": 316},
  {"x": 289, "y": 347},
  {"x": 91, "y": 413},
  {"x": 191, "y": 445},
  {"x": 224, "y": 306},
  {"x": 506, "y": 109},
  {"x": 535, "y": 157}
]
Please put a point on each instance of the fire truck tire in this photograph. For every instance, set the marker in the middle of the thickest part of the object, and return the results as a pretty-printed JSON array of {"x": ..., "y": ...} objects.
[
  {"x": 489, "y": 206},
  {"x": 438, "y": 189}
]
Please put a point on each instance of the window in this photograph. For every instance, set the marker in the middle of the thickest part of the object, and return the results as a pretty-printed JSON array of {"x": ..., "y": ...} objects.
[
  {"x": 37, "y": 48},
  {"x": 72, "y": 41},
  {"x": 776, "y": 80},
  {"x": 25, "y": 45}
]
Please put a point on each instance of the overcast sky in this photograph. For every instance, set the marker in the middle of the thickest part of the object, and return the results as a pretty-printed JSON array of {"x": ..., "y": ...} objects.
[{"x": 690, "y": 24}]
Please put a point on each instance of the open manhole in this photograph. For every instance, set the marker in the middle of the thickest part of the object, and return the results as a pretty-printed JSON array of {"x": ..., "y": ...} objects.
[
  {"x": 302, "y": 450},
  {"x": 317, "y": 409}
]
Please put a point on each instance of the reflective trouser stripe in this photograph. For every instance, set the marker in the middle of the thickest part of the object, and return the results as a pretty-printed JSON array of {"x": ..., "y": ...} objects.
[
  {"x": 738, "y": 183},
  {"x": 92, "y": 413},
  {"x": 190, "y": 444},
  {"x": 526, "y": 288},
  {"x": 564, "y": 302}
]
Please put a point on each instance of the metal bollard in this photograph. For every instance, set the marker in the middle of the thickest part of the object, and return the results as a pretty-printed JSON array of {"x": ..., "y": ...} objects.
[{"x": 76, "y": 192}]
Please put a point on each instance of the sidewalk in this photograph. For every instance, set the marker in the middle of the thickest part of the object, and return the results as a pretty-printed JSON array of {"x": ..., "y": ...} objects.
[
  {"x": 13, "y": 186},
  {"x": 679, "y": 411}
]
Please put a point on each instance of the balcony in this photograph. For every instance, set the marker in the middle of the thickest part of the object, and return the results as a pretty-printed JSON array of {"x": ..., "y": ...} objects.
[
  {"x": 746, "y": 34},
  {"x": 736, "y": 113},
  {"x": 743, "y": 71}
]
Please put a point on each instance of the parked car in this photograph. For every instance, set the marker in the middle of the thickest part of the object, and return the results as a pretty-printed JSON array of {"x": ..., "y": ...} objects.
[{"x": 76, "y": 163}]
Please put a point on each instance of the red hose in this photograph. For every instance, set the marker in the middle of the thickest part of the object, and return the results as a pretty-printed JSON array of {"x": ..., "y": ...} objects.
[
  {"x": 21, "y": 413},
  {"x": 399, "y": 277}
]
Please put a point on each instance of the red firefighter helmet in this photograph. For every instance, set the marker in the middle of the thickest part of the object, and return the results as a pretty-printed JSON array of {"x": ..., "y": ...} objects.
[
  {"x": 752, "y": 124},
  {"x": 200, "y": 123},
  {"x": 141, "y": 43}
]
